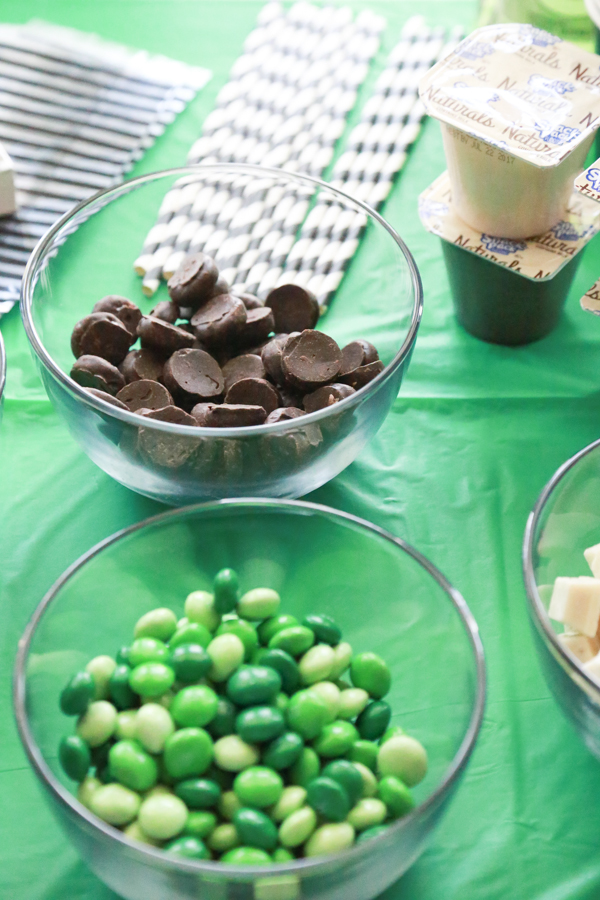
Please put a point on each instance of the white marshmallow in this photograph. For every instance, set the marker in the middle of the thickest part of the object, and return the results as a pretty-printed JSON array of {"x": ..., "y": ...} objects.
[
  {"x": 582, "y": 647},
  {"x": 576, "y": 603},
  {"x": 592, "y": 557}
]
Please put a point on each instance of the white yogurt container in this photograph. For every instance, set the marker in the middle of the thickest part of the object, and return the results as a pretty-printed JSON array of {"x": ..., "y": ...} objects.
[{"x": 519, "y": 109}]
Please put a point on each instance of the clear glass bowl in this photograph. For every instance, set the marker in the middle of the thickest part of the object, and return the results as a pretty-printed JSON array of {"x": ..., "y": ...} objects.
[
  {"x": 2, "y": 373},
  {"x": 385, "y": 596},
  {"x": 564, "y": 522},
  {"x": 90, "y": 253}
]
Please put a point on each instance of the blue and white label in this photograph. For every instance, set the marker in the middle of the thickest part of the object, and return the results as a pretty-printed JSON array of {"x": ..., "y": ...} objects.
[
  {"x": 550, "y": 86},
  {"x": 504, "y": 246},
  {"x": 592, "y": 176},
  {"x": 538, "y": 37},
  {"x": 556, "y": 134}
]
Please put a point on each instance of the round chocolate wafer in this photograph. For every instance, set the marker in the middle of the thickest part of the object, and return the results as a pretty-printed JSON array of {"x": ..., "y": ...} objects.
[
  {"x": 257, "y": 328},
  {"x": 310, "y": 360},
  {"x": 363, "y": 375},
  {"x": 166, "y": 310},
  {"x": 161, "y": 337},
  {"x": 284, "y": 414},
  {"x": 294, "y": 308},
  {"x": 145, "y": 394},
  {"x": 253, "y": 392},
  {"x": 123, "y": 309},
  {"x": 101, "y": 334},
  {"x": 248, "y": 365},
  {"x": 193, "y": 282},
  {"x": 142, "y": 363},
  {"x": 220, "y": 321},
  {"x": 326, "y": 396},
  {"x": 235, "y": 415},
  {"x": 95, "y": 372},
  {"x": 193, "y": 376},
  {"x": 356, "y": 354},
  {"x": 108, "y": 398}
]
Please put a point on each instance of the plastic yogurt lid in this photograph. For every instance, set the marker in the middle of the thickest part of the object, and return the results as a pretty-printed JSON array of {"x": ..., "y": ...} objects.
[
  {"x": 538, "y": 258},
  {"x": 519, "y": 88}
]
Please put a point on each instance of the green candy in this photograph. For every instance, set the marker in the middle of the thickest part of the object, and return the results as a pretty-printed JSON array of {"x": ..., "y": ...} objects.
[
  {"x": 195, "y": 705},
  {"x": 328, "y": 798},
  {"x": 253, "y": 685},
  {"x": 122, "y": 656},
  {"x": 368, "y": 812},
  {"x": 255, "y": 829},
  {"x": 192, "y": 633},
  {"x": 115, "y": 804},
  {"x": 281, "y": 855},
  {"x": 295, "y": 641},
  {"x": 188, "y": 848},
  {"x": 153, "y": 725},
  {"x": 188, "y": 752},
  {"x": 364, "y": 752},
  {"x": 232, "y": 754},
  {"x": 394, "y": 731},
  {"x": 227, "y": 654},
  {"x": 198, "y": 793},
  {"x": 77, "y": 694},
  {"x": 225, "y": 589},
  {"x": 306, "y": 767},
  {"x": 325, "y": 629},
  {"x": 307, "y": 714},
  {"x": 336, "y": 739},
  {"x": 151, "y": 679},
  {"x": 328, "y": 839},
  {"x": 346, "y": 774},
  {"x": 285, "y": 665},
  {"x": 369, "y": 672},
  {"x": 374, "y": 720},
  {"x": 132, "y": 766},
  {"x": 223, "y": 722},
  {"x": 101, "y": 668},
  {"x": 259, "y": 603},
  {"x": 258, "y": 786},
  {"x": 147, "y": 649},
  {"x": 158, "y": 623},
  {"x": 292, "y": 799},
  {"x": 246, "y": 633},
  {"x": 259, "y": 723},
  {"x": 273, "y": 625},
  {"x": 229, "y": 805},
  {"x": 396, "y": 796},
  {"x": 190, "y": 662},
  {"x": 246, "y": 856},
  {"x": 317, "y": 664},
  {"x": 200, "y": 824},
  {"x": 284, "y": 751},
  {"x": 75, "y": 757},
  {"x": 371, "y": 833},
  {"x": 119, "y": 689},
  {"x": 162, "y": 816},
  {"x": 404, "y": 757},
  {"x": 98, "y": 723},
  {"x": 224, "y": 837},
  {"x": 297, "y": 827},
  {"x": 200, "y": 607}
]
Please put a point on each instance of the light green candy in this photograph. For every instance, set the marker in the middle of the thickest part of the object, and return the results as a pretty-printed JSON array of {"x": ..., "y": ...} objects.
[
  {"x": 87, "y": 789},
  {"x": 330, "y": 694},
  {"x": 153, "y": 725},
  {"x": 135, "y": 833},
  {"x": 297, "y": 827},
  {"x": 98, "y": 723},
  {"x": 292, "y": 799},
  {"x": 259, "y": 603},
  {"x": 369, "y": 780},
  {"x": 227, "y": 654},
  {"x": 343, "y": 655},
  {"x": 115, "y": 804},
  {"x": 162, "y": 816},
  {"x": 200, "y": 607},
  {"x": 330, "y": 839},
  {"x": 223, "y": 838},
  {"x": 368, "y": 812},
  {"x": 317, "y": 664},
  {"x": 101, "y": 668},
  {"x": 352, "y": 703},
  {"x": 126, "y": 728},
  {"x": 228, "y": 805},
  {"x": 233, "y": 754},
  {"x": 404, "y": 757},
  {"x": 158, "y": 623}
]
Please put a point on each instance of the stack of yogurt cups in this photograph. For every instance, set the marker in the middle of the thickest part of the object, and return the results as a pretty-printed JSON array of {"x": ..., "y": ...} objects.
[{"x": 519, "y": 109}]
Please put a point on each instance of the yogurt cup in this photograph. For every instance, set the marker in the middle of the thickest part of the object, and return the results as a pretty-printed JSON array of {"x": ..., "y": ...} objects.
[{"x": 519, "y": 109}]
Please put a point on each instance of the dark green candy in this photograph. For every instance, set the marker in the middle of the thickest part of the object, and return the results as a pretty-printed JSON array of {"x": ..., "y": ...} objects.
[
  {"x": 328, "y": 798},
  {"x": 284, "y": 751},
  {"x": 224, "y": 720},
  {"x": 295, "y": 640},
  {"x": 255, "y": 829},
  {"x": 190, "y": 662},
  {"x": 253, "y": 685},
  {"x": 192, "y": 633},
  {"x": 285, "y": 665},
  {"x": 122, "y": 656},
  {"x": 225, "y": 589},
  {"x": 364, "y": 752},
  {"x": 325, "y": 629},
  {"x": 274, "y": 624},
  {"x": 371, "y": 833},
  {"x": 346, "y": 774},
  {"x": 188, "y": 847},
  {"x": 119, "y": 689},
  {"x": 75, "y": 757},
  {"x": 198, "y": 793},
  {"x": 77, "y": 695},
  {"x": 259, "y": 723},
  {"x": 245, "y": 631},
  {"x": 374, "y": 720}
]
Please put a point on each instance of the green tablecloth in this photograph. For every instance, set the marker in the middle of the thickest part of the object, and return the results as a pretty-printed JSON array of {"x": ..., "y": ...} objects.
[{"x": 476, "y": 432}]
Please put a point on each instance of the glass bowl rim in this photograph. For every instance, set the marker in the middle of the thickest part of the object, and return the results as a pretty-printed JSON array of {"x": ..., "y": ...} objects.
[
  {"x": 298, "y": 866},
  {"x": 39, "y": 254},
  {"x": 536, "y": 607},
  {"x": 2, "y": 366}
]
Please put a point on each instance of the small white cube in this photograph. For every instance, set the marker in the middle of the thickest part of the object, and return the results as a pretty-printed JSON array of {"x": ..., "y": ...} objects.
[
  {"x": 8, "y": 203},
  {"x": 593, "y": 668},
  {"x": 582, "y": 647},
  {"x": 592, "y": 556},
  {"x": 576, "y": 603}
]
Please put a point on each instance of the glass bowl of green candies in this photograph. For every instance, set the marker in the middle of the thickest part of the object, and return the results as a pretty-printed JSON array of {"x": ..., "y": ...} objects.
[{"x": 270, "y": 699}]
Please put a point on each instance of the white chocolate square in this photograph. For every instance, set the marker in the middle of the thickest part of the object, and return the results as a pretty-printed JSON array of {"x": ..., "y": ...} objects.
[
  {"x": 592, "y": 557},
  {"x": 576, "y": 603},
  {"x": 582, "y": 647},
  {"x": 593, "y": 667}
]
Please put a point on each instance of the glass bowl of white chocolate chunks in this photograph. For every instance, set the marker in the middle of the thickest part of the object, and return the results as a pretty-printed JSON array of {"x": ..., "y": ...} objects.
[
  {"x": 209, "y": 389},
  {"x": 561, "y": 559}
]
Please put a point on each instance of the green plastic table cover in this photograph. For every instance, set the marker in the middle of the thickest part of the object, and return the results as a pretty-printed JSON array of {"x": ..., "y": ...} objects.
[{"x": 475, "y": 433}]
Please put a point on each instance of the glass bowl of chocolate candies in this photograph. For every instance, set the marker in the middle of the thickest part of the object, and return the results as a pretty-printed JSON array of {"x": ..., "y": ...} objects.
[
  {"x": 339, "y": 705},
  {"x": 230, "y": 380}
]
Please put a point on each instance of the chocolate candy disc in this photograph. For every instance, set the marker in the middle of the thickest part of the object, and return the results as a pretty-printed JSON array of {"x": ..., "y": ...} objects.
[
  {"x": 326, "y": 396},
  {"x": 258, "y": 327},
  {"x": 310, "y": 360},
  {"x": 250, "y": 301},
  {"x": 238, "y": 415},
  {"x": 221, "y": 287},
  {"x": 141, "y": 364},
  {"x": 249, "y": 365},
  {"x": 220, "y": 320},
  {"x": 201, "y": 411},
  {"x": 193, "y": 375},
  {"x": 167, "y": 311},
  {"x": 162, "y": 337},
  {"x": 123, "y": 309},
  {"x": 95, "y": 372},
  {"x": 253, "y": 392},
  {"x": 294, "y": 308},
  {"x": 108, "y": 398},
  {"x": 271, "y": 355},
  {"x": 194, "y": 281},
  {"x": 101, "y": 334},
  {"x": 356, "y": 354},
  {"x": 168, "y": 414},
  {"x": 363, "y": 375},
  {"x": 145, "y": 394},
  {"x": 284, "y": 414},
  {"x": 163, "y": 449}
]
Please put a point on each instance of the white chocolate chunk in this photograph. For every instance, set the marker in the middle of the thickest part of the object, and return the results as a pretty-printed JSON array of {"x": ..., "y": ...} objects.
[
  {"x": 592, "y": 667},
  {"x": 592, "y": 557},
  {"x": 576, "y": 603},
  {"x": 581, "y": 646}
]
